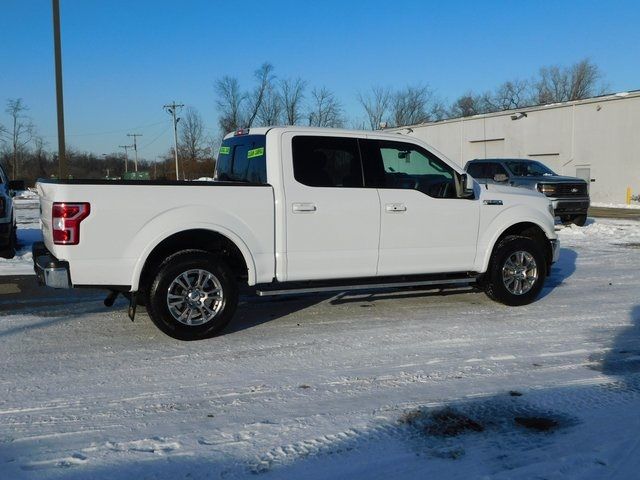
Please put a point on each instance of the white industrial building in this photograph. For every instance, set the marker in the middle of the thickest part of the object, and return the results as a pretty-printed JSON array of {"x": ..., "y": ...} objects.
[{"x": 596, "y": 139}]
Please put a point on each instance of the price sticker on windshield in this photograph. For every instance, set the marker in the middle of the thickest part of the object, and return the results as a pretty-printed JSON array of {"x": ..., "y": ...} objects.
[{"x": 225, "y": 150}]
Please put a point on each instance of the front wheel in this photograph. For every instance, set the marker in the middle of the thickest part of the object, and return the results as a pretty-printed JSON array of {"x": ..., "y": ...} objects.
[
  {"x": 579, "y": 220},
  {"x": 516, "y": 271},
  {"x": 193, "y": 296},
  {"x": 10, "y": 250}
]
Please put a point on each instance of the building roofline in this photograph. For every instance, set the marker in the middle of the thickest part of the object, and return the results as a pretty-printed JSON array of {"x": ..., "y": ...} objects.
[{"x": 533, "y": 108}]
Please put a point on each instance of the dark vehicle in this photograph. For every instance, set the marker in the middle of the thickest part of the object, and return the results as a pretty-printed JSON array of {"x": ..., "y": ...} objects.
[
  {"x": 568, "y": 195},
  {"x": 8, "y": 238}
]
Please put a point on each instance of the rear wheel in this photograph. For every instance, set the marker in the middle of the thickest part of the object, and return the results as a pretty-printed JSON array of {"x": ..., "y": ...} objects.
[
  {"x": 193, "y": 296},
  {"x": 516, "y": 271}
]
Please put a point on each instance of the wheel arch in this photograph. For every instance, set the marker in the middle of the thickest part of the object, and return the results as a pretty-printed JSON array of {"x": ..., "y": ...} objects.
[
  {"x": 219, "y": 241},
  {"x": 525, "y": 228}
]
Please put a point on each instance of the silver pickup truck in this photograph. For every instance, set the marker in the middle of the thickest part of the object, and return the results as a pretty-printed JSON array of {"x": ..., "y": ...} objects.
[{"x": 568, "y": 195}]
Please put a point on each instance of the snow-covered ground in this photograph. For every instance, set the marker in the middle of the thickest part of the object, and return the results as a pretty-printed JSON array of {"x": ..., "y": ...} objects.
[
  {"x": 391, "y": 385},
  {"x": 633, "y": 205}
]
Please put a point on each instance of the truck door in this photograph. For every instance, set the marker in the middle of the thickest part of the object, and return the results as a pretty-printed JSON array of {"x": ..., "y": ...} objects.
[
  {"x": 425, "y": 228},
  {"x": 332, "y": 220}
]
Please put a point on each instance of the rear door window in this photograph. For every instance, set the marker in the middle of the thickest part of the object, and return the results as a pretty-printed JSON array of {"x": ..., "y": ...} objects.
[{"x": 327, "y": 161}]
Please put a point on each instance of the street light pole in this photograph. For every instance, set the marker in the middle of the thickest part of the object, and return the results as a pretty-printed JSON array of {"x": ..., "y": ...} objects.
[
  {"x": 62, "y": 156},
  {"x": 171, "y": 108}
]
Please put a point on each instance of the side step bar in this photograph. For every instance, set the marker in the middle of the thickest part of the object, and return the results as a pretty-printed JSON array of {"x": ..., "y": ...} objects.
[{"x": 371, "y": 286}]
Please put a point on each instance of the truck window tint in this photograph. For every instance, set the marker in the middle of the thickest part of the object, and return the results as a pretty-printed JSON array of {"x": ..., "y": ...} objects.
[
  {"x": 242, "y": 159},
  {"x": 406, "y": 166},
  {"x": 327, "y": 161},
  {"x": 486, "y": 170}
]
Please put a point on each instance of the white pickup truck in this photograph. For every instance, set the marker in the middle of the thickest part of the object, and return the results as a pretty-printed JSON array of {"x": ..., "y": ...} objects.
[{"x": 294, "y": 210}]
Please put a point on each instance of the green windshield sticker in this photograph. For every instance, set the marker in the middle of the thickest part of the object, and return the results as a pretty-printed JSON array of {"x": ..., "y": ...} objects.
[
  {"x": 224, "y": 150},
  {"x": 256, "y": 152}
]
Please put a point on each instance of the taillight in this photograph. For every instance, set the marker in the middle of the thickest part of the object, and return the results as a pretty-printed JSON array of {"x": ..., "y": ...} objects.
[{"x": 66, "y": 222}]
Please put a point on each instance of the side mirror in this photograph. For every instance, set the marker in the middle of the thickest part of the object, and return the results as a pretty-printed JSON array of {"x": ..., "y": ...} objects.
[
  {"x": 15, "y": 185},
  {"x": 464, "y": 186},
  {"x": 500, "y": 177}
]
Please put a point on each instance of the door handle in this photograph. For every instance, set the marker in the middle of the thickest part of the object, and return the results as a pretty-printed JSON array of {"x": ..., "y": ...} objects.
[
  {"x": 304, "y": 207},
  {"x": 395, "y": 207}
]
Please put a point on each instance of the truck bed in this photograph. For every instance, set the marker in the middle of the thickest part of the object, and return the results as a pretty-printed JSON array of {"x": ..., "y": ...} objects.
[{"x": 130, "y": 217}]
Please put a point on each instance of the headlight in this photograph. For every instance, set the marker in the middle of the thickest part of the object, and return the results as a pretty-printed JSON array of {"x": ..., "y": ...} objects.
[{"x": 547, "y": 189}]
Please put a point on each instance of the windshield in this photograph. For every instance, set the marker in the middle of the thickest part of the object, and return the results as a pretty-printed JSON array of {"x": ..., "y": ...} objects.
[{"x": 528, "y": 168}]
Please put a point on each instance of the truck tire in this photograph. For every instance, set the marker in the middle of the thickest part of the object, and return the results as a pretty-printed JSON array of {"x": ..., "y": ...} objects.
[
  {"x": 579, "y": 220},
  {"x": 516, "y": 272},
  {"x": 193, "y": 296},
  {"x": 10, "y": 250}
]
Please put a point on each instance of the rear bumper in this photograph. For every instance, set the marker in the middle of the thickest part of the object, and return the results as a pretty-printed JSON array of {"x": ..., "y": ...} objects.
[
  {"x": 575, "y": 206},
  {"x": 49, "y": 270}
]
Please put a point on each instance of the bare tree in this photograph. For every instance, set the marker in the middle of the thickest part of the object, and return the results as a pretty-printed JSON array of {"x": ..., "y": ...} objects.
[
  {"x": 192, "y": 138},
  {"x": 465, "y": 106},
  {"x": 438, "y": 110},
  {"x": 512, "y": 94},
  {"x": 472, "y": 104},
  {"x": 230, "y": 102},
  {"x": 409, "y": 106},
  {"x": 376, "y": 105},
  {"x": 326, "y": 110},
  {"x": 270, "y": 111},
  {"x": 586, "y": 80},
  {"x": 264, "y": 76},
  {"x": 40, "y": 155},
  {"x": 563, "y": 84},
  {"x": 19, "y": 134},
  {"x": 553, "y": 85},
  {"x": 292, "y": 94}
]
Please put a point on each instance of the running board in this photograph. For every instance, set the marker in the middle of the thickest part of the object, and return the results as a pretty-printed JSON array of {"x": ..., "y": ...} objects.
[{"x": 372, "y": 286}]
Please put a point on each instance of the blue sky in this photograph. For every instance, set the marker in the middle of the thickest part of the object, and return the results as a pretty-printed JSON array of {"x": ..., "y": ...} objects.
[{"x": 124, "y": 59}]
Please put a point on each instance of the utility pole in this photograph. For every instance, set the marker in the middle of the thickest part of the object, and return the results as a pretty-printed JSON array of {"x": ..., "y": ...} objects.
[
  {"x": 62, "y": 156},
  {"x": 172, "y": 110},
  {"x": 126, "y": 156},
  {"x": 135, "y": 147}
]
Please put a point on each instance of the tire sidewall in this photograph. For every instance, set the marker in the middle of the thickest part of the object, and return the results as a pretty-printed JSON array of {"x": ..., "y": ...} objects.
[
  {"x": 168, "y": 271},
  {"x": 579, "y": 220},
  {"x": 503, "y": 251}
]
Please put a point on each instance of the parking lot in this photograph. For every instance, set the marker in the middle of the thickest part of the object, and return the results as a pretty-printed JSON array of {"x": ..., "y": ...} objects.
[{"x": 320, "y": 386}]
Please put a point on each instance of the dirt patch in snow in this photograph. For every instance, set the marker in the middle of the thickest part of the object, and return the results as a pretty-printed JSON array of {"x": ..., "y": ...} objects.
[
  {"x": 442, "y": 423},
  {"x": 538, "y": 424}
]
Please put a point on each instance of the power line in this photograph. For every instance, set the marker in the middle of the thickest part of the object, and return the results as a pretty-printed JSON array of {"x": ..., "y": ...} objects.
[
  {"x": 135, "y": 146},
  {"x": 172, "y": 109},
  {"x": 164, "y": 130},
  {"x": 110, "y": 132}
]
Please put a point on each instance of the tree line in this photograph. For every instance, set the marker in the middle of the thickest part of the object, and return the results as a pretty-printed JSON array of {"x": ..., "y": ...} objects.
[
  {"x": 290, "y": 101},
  {"x": 274, "y": 101}
]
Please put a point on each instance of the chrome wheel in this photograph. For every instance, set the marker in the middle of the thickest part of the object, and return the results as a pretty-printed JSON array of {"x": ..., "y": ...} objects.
[
  {"x": 520, "y": 272},
  {"x": 195, "y": 297}
]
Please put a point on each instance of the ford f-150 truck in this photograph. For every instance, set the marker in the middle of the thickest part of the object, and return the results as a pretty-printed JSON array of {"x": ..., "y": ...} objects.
[
  {"x": 294, "y": 210},
  {"x": 568, "y": 195}
]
